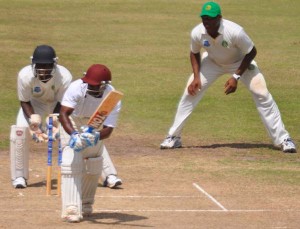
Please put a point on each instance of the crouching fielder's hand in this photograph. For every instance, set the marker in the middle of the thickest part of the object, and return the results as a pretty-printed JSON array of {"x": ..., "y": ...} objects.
[{"x": 35, "y": 128}]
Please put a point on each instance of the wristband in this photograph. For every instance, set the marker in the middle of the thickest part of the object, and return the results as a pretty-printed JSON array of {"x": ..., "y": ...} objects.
[
  {"x": 74, "y": 133},
  {"x": 236, "y": 76}
]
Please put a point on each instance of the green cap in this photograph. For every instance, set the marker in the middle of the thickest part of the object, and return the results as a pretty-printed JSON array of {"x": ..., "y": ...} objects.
[{"x": 211, "y": 9}]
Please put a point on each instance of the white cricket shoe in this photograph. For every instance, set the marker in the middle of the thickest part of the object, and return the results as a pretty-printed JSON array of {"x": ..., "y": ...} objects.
[
  {"x": 112, "y": 181},
  {"x": 171, "y": 142},
  {"x": 19, "y": 182},
  {"x": 71, "y": 215},
  {"x": 288, "y": 146}
]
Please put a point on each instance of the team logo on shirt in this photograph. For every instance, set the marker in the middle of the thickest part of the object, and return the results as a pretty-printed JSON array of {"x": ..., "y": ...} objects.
[
  {"x": 53, "y": 87},
  {"x": 37, "y": 89},
  {"x": 225, "y": 44},
  {"x": 206, "y": 43}
]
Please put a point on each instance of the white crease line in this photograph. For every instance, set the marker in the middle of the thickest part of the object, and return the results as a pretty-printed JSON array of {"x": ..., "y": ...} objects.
[
  {"x": 194, "y": 210},
  {"x": 160, "y": 210},
  {"x": 210, "y": 197},
  {"x": 147, "y": 196},
  {"x": 101, "y": 196}
]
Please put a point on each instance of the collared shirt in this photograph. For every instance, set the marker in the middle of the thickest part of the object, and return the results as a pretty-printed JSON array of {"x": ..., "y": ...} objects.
[
  {"x": 229, "y": 47},
  {"x": 32, "y": 89},
  {"x": 84, "y": 105}
]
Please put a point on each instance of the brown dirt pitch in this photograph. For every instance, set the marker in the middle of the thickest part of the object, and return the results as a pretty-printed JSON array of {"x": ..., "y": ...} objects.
[{"x": 191, "y": 187}]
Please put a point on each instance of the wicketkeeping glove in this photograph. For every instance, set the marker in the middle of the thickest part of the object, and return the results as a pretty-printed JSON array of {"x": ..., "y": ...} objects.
[
  {"x": 55, "y": 126},
  {"x": 35, "y": 128}
]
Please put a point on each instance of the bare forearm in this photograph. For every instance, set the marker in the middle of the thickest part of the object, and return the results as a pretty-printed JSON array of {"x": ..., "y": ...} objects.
[
  {"x": 67, "y": 124},
  {"x": 27, "y": 109},
  {"x": 65, "y": 120},
  {"x": 195, "y": 62},
  {"x": 106, "y": 132}
]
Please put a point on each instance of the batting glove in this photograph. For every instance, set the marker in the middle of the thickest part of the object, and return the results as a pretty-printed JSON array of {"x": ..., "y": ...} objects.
[
  {"x": 90, "y": 135},
  {"x": 35, "y": 128},
  {"x": 90, "y": 139},
  {"x": 76, "y": 143},
  {"x": 87, "y": 129}
]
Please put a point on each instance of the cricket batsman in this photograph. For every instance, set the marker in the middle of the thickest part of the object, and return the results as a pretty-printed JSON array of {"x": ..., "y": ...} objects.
[{"x": 82, "y": 157}]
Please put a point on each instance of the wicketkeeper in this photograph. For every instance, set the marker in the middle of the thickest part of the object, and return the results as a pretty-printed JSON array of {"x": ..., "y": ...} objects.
[
  {"x": 82, "y": 158},
  {"x": 41, "y": 86}
]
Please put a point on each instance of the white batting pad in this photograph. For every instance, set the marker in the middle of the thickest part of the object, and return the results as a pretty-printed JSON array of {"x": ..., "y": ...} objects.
[
  {"x": 71, "y": 171},
  {"x": 108, "y": 166},
  {"x": 19, "y": 152},
  {"x": 93, "y": 169}
]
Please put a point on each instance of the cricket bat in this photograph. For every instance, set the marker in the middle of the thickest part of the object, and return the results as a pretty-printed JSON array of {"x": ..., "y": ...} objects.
[{"x": 104, "y": 109}]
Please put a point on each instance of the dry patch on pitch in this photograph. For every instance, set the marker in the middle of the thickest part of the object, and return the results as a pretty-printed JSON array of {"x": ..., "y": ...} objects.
[{"x": 199, "y": 186}]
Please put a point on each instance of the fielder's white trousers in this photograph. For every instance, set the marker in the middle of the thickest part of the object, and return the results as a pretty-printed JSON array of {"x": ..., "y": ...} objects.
[{"x": 255, "y": 83}]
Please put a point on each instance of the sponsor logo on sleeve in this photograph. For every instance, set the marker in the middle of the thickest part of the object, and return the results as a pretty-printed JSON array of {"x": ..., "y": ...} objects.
[{"x": 206, "y": 43}]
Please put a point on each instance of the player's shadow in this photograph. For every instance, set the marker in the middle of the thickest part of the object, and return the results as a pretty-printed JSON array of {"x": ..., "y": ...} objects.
[
  {"x": 116, "y": 218},
  {"x": 114, "y": 188},
  {"x": 43, "y": 183},
  {"x": 54, "y": 185},
  {"x": 236, "y": 146}
]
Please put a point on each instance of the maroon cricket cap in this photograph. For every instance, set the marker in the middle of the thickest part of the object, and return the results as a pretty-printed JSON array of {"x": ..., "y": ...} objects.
[{"x": 97, "y": 73}]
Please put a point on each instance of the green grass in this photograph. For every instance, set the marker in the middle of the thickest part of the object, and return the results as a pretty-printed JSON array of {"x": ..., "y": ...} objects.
[{"x": 146, "y": 45}]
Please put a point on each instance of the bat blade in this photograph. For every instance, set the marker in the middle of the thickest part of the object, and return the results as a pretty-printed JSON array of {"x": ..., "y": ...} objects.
[{"x": 104, "y": 109}]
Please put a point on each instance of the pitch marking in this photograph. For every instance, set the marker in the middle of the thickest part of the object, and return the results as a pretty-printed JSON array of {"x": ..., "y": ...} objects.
[
  {"x": 157, "y": 210},
  {"x": 209, "y": 196},
  {"x": 146, "y": 196},
  {"x": 193, "y": 210}
]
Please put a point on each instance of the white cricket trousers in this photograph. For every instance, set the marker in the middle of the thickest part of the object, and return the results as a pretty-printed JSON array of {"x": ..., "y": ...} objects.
[{"x": 255, "y": 83}]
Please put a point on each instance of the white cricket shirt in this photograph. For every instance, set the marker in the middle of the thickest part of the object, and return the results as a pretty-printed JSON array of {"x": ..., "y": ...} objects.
[
  {"x": 85, "y": 105},
  {"x": 229, "y": 47},
  {"x": 32, "y": 89}
]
